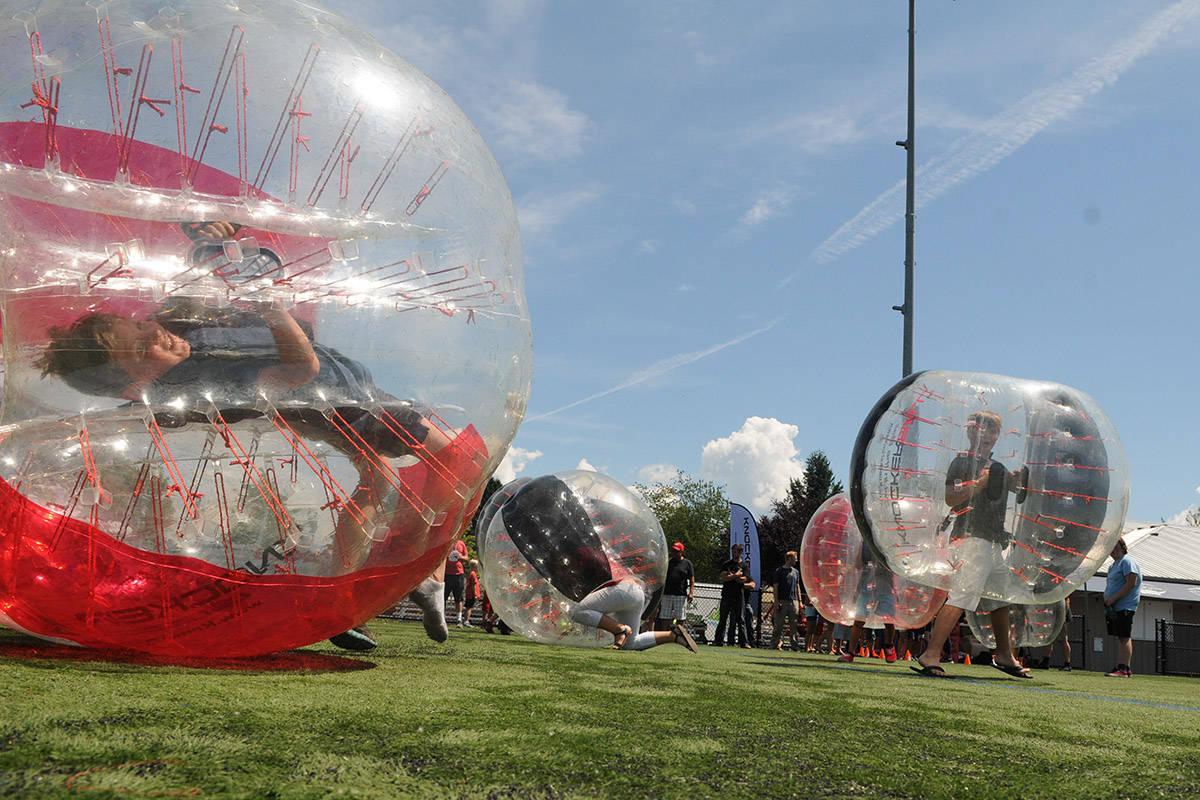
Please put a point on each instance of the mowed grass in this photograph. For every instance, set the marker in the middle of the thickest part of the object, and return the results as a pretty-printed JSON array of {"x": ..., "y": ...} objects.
[{"x": 500, "y": 717}]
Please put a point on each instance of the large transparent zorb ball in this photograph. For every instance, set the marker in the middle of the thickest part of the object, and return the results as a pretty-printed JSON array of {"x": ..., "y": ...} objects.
[
  {"x": 559, "y": 538},
  {"x": 1028, "y": 626},
  {"x": 846, "y": 583},
  {"x": 264, "y": 324},
  {"x": 995, "y": 487}
]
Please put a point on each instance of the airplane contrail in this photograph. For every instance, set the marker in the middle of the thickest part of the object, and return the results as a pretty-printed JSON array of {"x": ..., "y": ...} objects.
[
  {"x": 1004, "y": 133},
  {"x": 659, "y": 368}
]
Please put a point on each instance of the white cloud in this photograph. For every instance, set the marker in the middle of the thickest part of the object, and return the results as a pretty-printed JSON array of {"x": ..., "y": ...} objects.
[
  {"x": 769, "y": 204},
  {"x": 1182, "y": 517},
  {"x": 586, "y": 465},
  {"x": 756, "y": 462},
  {"x": 534, "y": 121},
  {"x": 658, "y": 473},
  {"x": 514, "y": 462},
  {"x": 539, "y": 213},
  {"x": 1001, "y": 135},
  {"x": 648, "y": 246}
]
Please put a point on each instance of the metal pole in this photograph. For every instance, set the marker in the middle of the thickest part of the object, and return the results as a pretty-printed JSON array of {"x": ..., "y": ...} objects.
[{"x": 909, "y": 145}]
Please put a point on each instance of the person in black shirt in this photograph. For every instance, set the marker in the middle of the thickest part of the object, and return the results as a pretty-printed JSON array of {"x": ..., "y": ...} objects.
[
  {"x": 787, "y": 602},
  {"x": 748, "y": 602},
  {"x": 977, "y": 488},
  {"x": 679, "y": 589},
  {"x": 731, "y": 616}
]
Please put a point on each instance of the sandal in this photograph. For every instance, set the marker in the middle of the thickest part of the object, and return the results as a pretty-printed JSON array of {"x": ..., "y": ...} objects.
[
  {"x": 621, "y": 637},
  {"x": 932, "y": 671},
  {"x": 684, "y": 638}
]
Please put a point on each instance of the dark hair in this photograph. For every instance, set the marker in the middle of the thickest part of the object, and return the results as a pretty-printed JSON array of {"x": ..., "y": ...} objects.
[{"x": 83, "y": 355}]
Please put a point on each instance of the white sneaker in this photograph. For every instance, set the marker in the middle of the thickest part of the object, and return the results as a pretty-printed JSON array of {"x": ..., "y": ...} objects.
[
  {"x": 429, "y": 596},
  {"x": 467, "y": 624}
]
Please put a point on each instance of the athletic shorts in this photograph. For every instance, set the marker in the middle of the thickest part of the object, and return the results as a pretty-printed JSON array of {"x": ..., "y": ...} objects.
[
  {"x": 455, "y": 584},
  {"x": 1119, "y": 623},
  {"x": 672, "y": 607},
  {"x": 979, "y": 558}
]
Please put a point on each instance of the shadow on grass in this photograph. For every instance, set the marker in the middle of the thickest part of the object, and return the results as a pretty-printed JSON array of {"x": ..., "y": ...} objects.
[
  {"x": 29, "y": 648},
  {"x": 900, "y": 669}
]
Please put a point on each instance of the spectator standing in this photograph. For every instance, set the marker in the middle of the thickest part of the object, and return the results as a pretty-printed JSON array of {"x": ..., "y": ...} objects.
[
  {"x": 748, "y": 605},
  {"x": 811, "y": 625},
  {"x": 455, "y": 577},
  {"x": 787, "y": 602},
  {"x": 731, "y": 617},
  {"x": 1064, "y": 638},
  {"x": 678, "y": 590},
  {"x": 1122, "y": 593},
  {"x": 470, "y": 591}
]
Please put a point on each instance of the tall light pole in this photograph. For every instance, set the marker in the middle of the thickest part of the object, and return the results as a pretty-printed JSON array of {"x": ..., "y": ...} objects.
[{"x": 909, "y": 145}]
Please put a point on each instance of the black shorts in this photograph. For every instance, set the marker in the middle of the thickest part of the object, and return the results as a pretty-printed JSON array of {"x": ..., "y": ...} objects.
[
  {"x": 455, "y": 584},
  {"x": 1119, "y": 623}
]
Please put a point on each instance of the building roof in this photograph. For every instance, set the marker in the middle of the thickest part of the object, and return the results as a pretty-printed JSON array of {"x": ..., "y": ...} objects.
[{"x": 1169, "y": 557}]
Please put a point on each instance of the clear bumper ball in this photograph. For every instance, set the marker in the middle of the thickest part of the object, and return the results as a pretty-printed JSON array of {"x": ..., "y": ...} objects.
[
  {"x": 846, "y": 583},
  {"x": 264, "y": 324},
  {"x": 988, "y": 486},
  {"x": 558, "y": 543},
  {"x": 1028, "y": 626}
]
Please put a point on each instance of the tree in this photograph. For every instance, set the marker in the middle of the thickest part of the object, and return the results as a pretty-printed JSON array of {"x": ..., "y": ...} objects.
[
  {"x": 695, "y": 512},
  {"x": 783, "y": 528},
  {"x": 471, "y": 536}
]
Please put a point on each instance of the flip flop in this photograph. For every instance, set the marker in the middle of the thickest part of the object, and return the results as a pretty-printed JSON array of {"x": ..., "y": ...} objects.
[
  {"x": 1014, "y": 671},
  {"x": 934, "y": 671},
  {"x": 684, "y": 638},
  {"x": 621, "y": 637}
]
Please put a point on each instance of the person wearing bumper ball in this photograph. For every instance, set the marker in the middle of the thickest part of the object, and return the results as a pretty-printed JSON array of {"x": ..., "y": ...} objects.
[
  {"x": 186, "y": 348},
  {"x": 977, "y": 488}
]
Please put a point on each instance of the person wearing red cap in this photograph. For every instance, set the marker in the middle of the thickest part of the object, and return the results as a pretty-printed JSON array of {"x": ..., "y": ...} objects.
[{"x": 678, "y": 590}]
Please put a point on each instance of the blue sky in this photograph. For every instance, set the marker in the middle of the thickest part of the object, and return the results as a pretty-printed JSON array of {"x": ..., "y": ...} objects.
[{"x": 711, "y": 204}]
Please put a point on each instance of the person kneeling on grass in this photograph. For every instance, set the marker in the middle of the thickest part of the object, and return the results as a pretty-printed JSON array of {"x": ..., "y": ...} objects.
[{"x": 617, "y": 607}]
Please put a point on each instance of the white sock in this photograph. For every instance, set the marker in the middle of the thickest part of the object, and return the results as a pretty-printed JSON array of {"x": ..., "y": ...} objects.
[{"x": 430, "y": 598}]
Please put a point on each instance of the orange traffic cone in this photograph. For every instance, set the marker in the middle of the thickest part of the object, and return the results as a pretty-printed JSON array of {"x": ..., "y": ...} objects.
[{"x": 967, "y": 659}]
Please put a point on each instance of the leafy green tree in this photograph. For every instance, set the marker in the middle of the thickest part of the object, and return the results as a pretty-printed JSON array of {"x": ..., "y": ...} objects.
[
  {"x": 783, "y": 528},
  {"x": 470, "y": 537},
  {"x": 695, "y": 512}
]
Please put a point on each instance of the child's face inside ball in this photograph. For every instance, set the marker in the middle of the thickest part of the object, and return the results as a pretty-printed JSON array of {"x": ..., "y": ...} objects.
[{"x": 145, "y": 350}]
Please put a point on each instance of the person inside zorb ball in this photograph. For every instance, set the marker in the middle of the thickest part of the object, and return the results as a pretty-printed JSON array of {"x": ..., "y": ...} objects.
[
  {"x": 850, "y": 586},
  {"x": 264, "y": 325},
  {"x": 577, "y": 558},
  {"x": 994, "y": 488}
]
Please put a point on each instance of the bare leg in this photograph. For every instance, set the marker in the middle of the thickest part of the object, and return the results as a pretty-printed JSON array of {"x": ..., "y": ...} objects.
[
  {"x": 1000, "y": 627},
  {"x": 945, "y": 622},
  {"x": 1125, "y": 651},
  {"x": 621, "y": 633},
  {"x": 855, "y": 640}
]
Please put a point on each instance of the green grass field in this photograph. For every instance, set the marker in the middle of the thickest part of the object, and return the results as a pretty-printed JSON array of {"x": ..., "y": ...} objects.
[{"x": 499, "y": 717}]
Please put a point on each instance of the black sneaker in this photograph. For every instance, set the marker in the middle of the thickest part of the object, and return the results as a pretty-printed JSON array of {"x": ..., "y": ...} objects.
[{"x": 358, "y": 638}]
